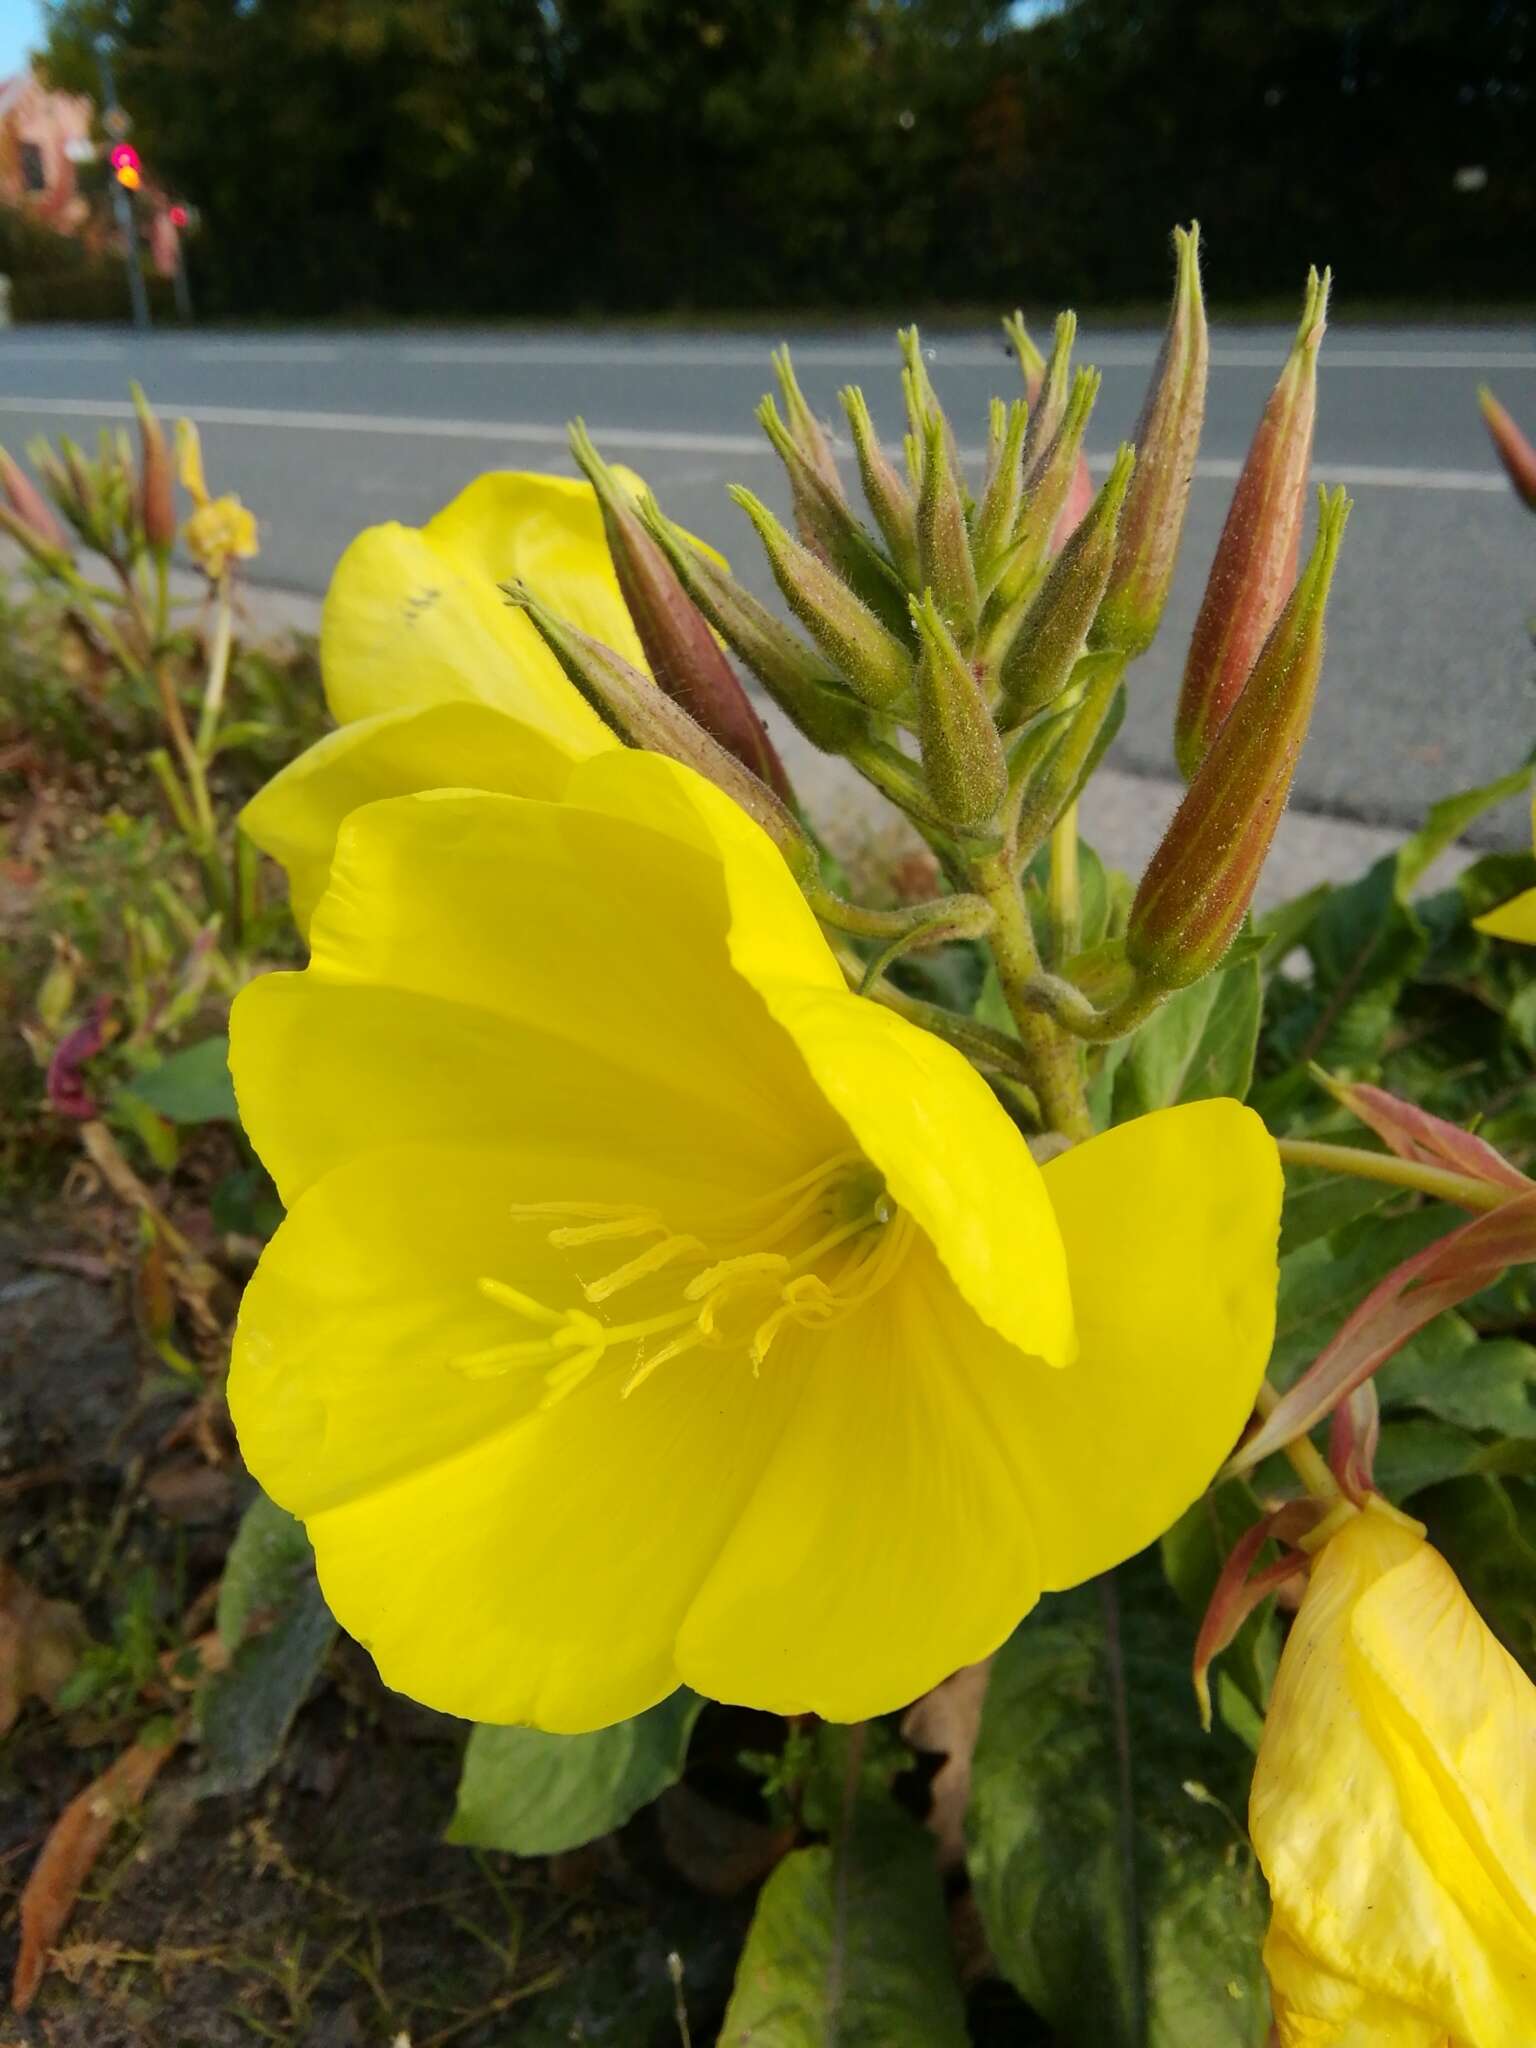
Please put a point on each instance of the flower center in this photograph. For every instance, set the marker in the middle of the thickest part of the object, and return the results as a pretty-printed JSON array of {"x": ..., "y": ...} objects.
[{"x": 809, "y": 1253}]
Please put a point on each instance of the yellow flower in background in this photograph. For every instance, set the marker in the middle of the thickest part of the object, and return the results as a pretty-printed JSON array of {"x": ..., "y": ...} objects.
[
  {"x": 1394, "y": 1809},
  {"x": 220, "y": 529},
  {"x": 434, "y": 679},
  {"x": 650, "y": 1309},
  {"x": 1515, "y": 919}
]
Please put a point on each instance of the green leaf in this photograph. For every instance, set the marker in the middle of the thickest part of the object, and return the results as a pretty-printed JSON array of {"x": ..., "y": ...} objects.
[
  {"x": 1326, "y": 1280},
  {"x": 1449, "y": 818},
  {"x": 1486, "y": 1530},
  {"x": 1474, "y": 1383},
  {"x": 262, "y": 1567},
  {"x": 1114, "y": 1882},
  {"x": 849, "y": 1948},
  {"x": 1318, "y": 1202},
  {"x": 1199, "y": 1044},
  {"x": 536, "y": 1794},
  {"x": 191, "y": 1087},
  {"x": 244, "y": 1713},
  {"x": 1416, "y": 1451}
]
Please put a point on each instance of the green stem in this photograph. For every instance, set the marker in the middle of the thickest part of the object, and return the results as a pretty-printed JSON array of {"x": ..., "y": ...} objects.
[
  {"x": 1044, "y": 800},
  {"x": 1063, "y": 899},
  {"x": 1051, "y": 1059},
  {"x": 1307, "y": 1461},
  {"x": 218, "y": 671},
  {"x": 1435, "y": 1181}
]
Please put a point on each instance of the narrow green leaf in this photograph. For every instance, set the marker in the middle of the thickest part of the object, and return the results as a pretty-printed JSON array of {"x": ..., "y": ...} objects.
[
  {"x": 244, "y": 1713},
  {"x": 849, "y": 1948},
  {"x": 1449, "y": 818},
  {"x": 1113, "y": 1878},
  {"x": 536, "y": 1794},
  {"x": 262, "y": 1568}
]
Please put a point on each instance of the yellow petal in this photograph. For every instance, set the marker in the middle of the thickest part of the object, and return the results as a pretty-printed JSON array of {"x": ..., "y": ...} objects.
[
  {"x": 1315, "y": 2009},
  {"x": 418, "y": 617},
  {"x": 501, "y": 1562},
  {"x": 887, "y": 1542},
  {"x": 1170, "y": 1224},
  {"x": 482, "y": 964},
  {"x": 1392, "y": 1804},
  {"x": 1515, "y": 919},
  {"x": 189, "y": 461},
  {"x": 950, "y": 1155},
  {"x": 297, "y": 816}
]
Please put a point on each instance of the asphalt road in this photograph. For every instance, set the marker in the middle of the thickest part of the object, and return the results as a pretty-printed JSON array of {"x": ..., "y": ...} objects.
[{"x": 1431, "y": 677}]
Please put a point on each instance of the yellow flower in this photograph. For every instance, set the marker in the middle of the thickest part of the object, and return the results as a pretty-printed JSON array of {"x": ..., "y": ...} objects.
[
  {"x": 1394, "y": 1809},
  {"x": 1515, "y": 919},
  {"x": 651, "y": 1309},
  {"x": 220, "y": 527},
  {"x": 435, "y": 680}
]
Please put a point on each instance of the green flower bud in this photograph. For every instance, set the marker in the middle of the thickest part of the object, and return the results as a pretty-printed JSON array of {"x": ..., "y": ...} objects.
[
  {"x": 684, "y": 656},
  {"x": 1200, "y": 881},
  {"x": 998, "y": 513},
  {"x": 1048, "y": 401},
  {"x": 1039, "y": 664},
  {"x": 922, "y": 406},
  {"x": 1255, "y": 562},
  {"x": 963, "y": 761},
  {"x": 630, "y": 704},
  {"x": 870, "y": 659},
  {"x": 1023, "y": 566},
  {"x": 1167, "y": 437},
  {"x": 830, "y": 529},
  {"x": 943, "y": 544},
  {"x": 810, "y": 436},
  {"x": 884, "y": 487},
  {"x": 799, "y": 679}
]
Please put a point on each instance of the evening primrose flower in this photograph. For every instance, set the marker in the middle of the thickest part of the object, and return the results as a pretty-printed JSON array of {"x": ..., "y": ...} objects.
[
  {"x": 1394, "y": 1808},
  {"x": 1515, "y": 919},
  {"x": 434, "y": 679},
  {"x": 220, "y": 528},
  {"x": 651, "y": 1309}
]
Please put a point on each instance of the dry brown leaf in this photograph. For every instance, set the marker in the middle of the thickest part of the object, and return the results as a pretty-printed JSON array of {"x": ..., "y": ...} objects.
[
  {"x": 946, "y": 1722},
  {"x": 74, "y": 1842},
  {"x": 41, "y": 1642}
]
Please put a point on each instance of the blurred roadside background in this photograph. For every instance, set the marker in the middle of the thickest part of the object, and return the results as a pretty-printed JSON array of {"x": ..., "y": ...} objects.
[{"x": 418, "y": 236}]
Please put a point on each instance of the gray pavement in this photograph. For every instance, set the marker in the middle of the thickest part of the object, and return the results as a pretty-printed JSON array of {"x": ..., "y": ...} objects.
[{"x": 1429, "y": 683}]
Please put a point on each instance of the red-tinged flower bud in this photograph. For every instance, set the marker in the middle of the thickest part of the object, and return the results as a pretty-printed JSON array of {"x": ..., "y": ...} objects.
[
  {"x": 963, "y": 761},
  {"x": 1429, "y": 1141},
  {"x": 829, "y": 528},
  {"x": 798, "y": 678},
  {"x": 1039, "y": 664},
  {"x": 1167, "y": 437},
  {"x": 872, "y": 661},
  {"x": 684, "y": 656},
  {"x": 1255, "y": 561},
  {"x": 1200, "y": 881},
  {"x": 943, "y": 542},
  {"x": 31, "y": 509},
  {"x": 1512, "y": 447},
  {"x": 157, "y": 477},
  {"x": 632, "y": 706},
  {"x": 884, "y": 486}
]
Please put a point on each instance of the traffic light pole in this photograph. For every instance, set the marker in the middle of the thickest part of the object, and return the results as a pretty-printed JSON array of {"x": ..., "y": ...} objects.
[{"x": 121, "y": 204}]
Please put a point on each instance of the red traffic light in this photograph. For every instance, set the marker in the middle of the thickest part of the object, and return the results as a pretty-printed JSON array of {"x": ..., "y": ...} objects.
[
  {"x": 179, "y": 216},
  {"x": 124, "y": 157}
]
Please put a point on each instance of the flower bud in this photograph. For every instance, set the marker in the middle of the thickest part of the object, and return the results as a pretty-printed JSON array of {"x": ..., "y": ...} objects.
[
  {"x": 1200, "y": 881},
  {"x": 683, "y": 654},
  {"x": 1023, "y": 565},
  {"x": 1048, "y": 399},
  {"x": 1255, "y": 561},
  {"x": 943, "y": 544},
  {"x": 963, "y": 761},
  {"x": 35, "y": 524},
  {"x": 633, "y": 707},
  {"x": 157, "y": 484},
  {"x": 873, "y": 662},
  {"x": 830, "y": 529},
  {"x": 1039, "y": 664},
  {"x": 1511, "y": 446},
  {"x": 922, "y": 403},
  {"x": 798, "y": 678},
  {"x": 1167, "y": 437},
  {"x": 1391, "y": 1806},
  {"x": 884, "y": 487},
  {"x": 810, "y": 436},
  {"x": 997, "y": 515}
]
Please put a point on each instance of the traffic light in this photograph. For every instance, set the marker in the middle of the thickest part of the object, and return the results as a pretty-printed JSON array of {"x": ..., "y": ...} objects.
[{"x": 125, "y": 166}]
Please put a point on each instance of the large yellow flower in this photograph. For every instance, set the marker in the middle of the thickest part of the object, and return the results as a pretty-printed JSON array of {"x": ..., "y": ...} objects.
[
  {"x": 1515, "y": 919},
  {"x": 650, "y": 1308},
  {"x": 434, "y": 679},
  {"x": 1394, "y": 1809}
]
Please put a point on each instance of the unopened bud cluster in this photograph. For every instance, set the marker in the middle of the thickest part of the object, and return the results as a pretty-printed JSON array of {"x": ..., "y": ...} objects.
[{"x": 962, "y": 637}]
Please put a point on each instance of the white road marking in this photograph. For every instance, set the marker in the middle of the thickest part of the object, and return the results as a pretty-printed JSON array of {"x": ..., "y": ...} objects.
[
  {"x": 665, "y": 440},
  {"x": 260, "y": 352},
  {"x": 944, "y": 355}
]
